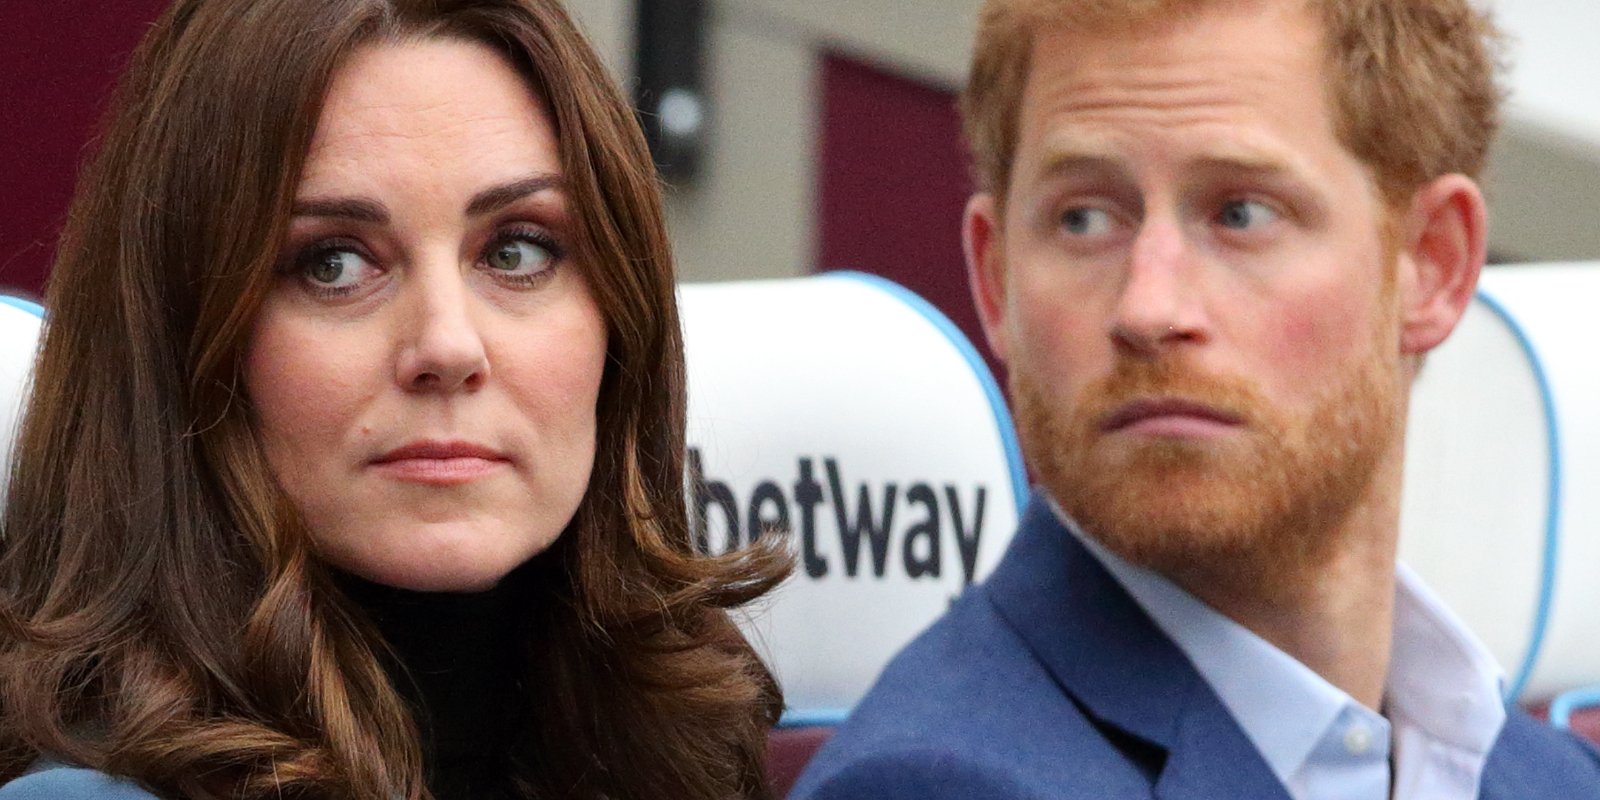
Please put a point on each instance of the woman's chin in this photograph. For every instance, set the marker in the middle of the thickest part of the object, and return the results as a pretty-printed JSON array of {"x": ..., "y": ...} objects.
[
  {"x": 431, "y": 578},
  {"x": 441, "y": 564}
]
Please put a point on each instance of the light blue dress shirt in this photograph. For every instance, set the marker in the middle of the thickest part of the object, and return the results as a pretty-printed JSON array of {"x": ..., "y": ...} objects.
[{"x": 1443, "y": 696}]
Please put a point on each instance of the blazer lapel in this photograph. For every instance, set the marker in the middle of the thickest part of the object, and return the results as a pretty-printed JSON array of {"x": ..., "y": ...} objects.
[
  {"x": 1212, "y": 758},
  {"x": 1104, "y": 651}
]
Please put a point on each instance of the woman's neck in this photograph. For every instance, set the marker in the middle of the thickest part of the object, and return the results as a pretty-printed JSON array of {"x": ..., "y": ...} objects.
[{"x": 458, "y": 660}]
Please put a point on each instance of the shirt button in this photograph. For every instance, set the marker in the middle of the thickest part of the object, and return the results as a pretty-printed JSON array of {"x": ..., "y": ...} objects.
[{"x": 1357, "y": 740}]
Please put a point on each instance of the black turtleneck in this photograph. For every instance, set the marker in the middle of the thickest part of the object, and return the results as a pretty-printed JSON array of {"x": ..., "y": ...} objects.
[{"x": 458, "y": 660}]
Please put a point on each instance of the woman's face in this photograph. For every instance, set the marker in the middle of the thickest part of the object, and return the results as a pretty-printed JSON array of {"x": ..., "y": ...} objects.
[{"x": 425, "y": 371}]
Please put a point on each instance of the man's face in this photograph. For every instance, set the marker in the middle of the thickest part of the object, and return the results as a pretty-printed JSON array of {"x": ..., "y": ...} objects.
[{"x": 1195, "y": 292}]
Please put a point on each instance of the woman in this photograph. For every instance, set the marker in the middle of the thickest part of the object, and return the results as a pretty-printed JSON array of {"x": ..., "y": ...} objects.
[{"x": 354, "y": 463}]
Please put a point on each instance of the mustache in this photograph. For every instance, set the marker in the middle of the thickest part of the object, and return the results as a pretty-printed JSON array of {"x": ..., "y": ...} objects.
[{"x": 1135, "y": 380}]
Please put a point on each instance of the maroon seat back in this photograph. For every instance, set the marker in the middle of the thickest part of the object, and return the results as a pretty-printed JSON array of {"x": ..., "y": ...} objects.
[
  {"x": 788, "y": 752},
  {"x": 1584, "y": 721}
]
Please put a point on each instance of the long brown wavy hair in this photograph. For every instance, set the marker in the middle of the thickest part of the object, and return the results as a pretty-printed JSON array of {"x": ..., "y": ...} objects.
[{"x": 164, "y": 616}]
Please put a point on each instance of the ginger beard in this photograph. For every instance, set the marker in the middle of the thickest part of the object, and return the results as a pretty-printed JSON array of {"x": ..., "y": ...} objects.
[{"x": 1264, "y": 506}]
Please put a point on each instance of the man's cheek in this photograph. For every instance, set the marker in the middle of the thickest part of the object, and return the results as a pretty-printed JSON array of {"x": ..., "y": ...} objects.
[
  {"x": 1054, "y": 329},
  {"x": 1322, "y": 329}
]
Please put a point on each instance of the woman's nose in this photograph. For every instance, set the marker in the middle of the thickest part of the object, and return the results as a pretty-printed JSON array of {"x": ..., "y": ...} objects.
[{"x": 442, "y": 350}]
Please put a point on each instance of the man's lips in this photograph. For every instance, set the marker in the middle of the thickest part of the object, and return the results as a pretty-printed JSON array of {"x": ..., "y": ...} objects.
[
  {"x": 440, "y": 463},
  {"x": 1169, "y": 416}
]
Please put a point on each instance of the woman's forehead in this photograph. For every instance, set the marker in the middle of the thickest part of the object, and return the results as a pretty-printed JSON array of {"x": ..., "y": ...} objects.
[{"x": 438, "y": 106}]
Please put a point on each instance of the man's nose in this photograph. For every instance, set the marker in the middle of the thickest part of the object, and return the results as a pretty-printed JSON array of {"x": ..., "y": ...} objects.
[
  {"x": 1158, "y": 306},
  {"x": 442, "y": 347}
]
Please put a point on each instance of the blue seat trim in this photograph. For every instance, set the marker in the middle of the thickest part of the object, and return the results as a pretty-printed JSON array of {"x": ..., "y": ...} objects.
[
  {"x": 813, "y": 718},
  {"x": 980, "y": 370},
  {"x": 26, "y": 305},
  {"x": 1562, "y": 708},
  {"x": 1552, "y": 521}
]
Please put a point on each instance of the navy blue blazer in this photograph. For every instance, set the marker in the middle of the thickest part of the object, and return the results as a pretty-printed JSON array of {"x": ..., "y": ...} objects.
[{"x": 1049, "y": 681}]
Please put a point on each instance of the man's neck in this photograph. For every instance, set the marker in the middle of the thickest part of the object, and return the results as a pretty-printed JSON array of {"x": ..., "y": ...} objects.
[{"x": 1336, "y": 616}]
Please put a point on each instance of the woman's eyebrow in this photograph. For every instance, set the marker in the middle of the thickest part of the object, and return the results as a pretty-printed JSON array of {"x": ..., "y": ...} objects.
[
  {"x": 361, "y": 209},
  {"x": 497, "y": 197},
  {"x": 358, "y": 209}
]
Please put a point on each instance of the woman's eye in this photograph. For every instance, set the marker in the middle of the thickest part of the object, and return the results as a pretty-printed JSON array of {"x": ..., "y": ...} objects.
[
  {"x": 519, "y": 256},
  {"x": 1242, "y": 215},
  {"x": 1086, "y": 221},
  {"x": 334, "y": 268}
]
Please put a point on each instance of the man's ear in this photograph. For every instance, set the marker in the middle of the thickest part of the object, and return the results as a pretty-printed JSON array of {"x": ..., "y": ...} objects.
[
  {"x": 982, "y": 242},
  {"x": 1443, "y": 247}
]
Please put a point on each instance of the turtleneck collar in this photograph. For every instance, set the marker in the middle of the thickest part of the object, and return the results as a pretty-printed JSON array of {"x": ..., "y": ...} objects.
[{"x": 459, "y": 661}]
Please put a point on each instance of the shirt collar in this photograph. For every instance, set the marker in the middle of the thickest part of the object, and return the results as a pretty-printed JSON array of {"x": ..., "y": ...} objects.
[
  {"x": 1441, "y": 678},
  {"x": 1254, "y": 680}
]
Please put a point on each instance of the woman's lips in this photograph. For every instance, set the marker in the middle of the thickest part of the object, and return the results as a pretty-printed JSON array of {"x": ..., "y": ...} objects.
[
  {"x": 1170, "y": 417},
  {"x": 439, "y": 463}
]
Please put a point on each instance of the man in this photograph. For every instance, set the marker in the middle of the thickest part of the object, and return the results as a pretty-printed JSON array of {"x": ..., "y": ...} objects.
[{"x": 1214, "y": 241}]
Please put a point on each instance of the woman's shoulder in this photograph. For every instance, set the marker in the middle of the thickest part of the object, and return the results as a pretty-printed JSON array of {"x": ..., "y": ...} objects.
[{"x": 56, "y": 781}]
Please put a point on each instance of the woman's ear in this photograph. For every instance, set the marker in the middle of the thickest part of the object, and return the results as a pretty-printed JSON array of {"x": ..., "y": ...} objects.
[
  {"x": 981, "y": 241},
  {"x": 1444, "y": 241}
]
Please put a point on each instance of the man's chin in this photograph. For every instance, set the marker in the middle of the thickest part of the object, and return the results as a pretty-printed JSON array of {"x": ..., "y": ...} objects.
[
  {"x": 1229, "y": 510},
  {"x": 1175, "y": 514},
  {"x": 1163, "y": 463}
]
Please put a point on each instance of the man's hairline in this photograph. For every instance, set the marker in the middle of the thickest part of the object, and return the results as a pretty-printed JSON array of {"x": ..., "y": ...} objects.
[{"x": 1329, "y": 66}]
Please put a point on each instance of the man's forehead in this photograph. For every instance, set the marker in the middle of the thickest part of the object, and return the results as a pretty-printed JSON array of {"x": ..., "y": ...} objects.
[
  {"x": 1288, "y": 28},
  {"x": 1121, "y": 17},
  {"x": 1089, "y": 97}
]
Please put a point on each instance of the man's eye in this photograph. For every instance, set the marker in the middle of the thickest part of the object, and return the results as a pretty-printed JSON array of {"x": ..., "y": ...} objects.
[
  {"x": 1242, "y": 215},
  {"x": 334, "y": 268},
  {"x": 1086, "y": 221}
]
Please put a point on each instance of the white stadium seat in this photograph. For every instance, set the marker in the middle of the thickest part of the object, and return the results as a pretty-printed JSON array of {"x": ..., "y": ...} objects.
[
  {"x": 20, "y": 323},
  {"x": 1501, "y": 515},
  {"x": 850, "y": 408}
]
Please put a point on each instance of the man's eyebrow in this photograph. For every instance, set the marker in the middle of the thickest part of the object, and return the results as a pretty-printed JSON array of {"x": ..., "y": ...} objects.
[
  {"x": 1259, "y": 167},
  {"x": 497, "y": 197},
  {"x": 358, "y": 209},
  {"x": 1073, "y": 161}
]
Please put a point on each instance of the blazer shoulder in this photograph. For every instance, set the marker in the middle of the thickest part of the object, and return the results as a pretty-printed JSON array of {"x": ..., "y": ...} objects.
[
  {"x": 1532, "y": 760},
  {"x": 62, "y": 782},
  {"x": 953, "y": 685},
  {"x": 914, "y": 773},
  {"x": 966, "y": 711}
]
